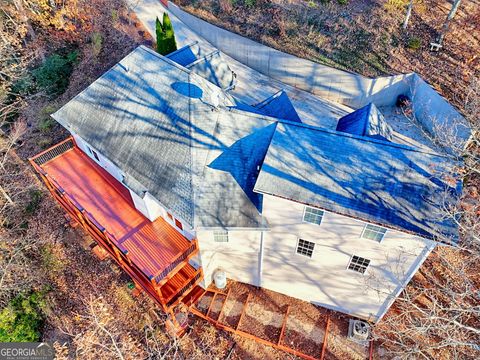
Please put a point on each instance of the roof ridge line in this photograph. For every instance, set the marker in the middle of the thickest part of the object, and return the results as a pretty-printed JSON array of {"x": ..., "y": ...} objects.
[
  {"x": 117, "y": 64},
  {"x": 160, "y": 56},
  {"x": 339, "y": 133}
]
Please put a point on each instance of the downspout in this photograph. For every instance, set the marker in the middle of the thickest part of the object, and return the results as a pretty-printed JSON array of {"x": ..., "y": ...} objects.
[{"x": 260, "y": 260}]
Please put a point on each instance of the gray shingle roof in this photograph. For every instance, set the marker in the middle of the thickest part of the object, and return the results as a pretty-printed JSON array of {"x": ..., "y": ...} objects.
[
  {"x": 215, "y": 69},
  {"x": 379, "y": 182},
  {"x": 155, "y": 121},
  {"x": 225, "y": 196},
  {"x": 133, "y": 116},
  {"x": 278, "y": 106}
]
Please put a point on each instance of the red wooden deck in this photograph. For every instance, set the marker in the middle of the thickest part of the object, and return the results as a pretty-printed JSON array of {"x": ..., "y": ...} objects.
[
  {"x": 154, "y": 254},
  {"x": 151, "y": 245}
]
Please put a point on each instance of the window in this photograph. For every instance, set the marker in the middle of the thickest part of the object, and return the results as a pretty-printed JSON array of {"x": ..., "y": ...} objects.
[
  {"x": 358, "y": 264},
  {"x": 220, "y": 236},
  {"x": 94, "y": 153},
  {"x": 373, "y": 232},
  {"x": 305, "y": 247},
  {"x": 178, "y": 224},
  {"x": 312, "y": 215}
]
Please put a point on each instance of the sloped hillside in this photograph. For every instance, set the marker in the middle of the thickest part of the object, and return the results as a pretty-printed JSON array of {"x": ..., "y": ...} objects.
[{"x": 364, "y": 36}]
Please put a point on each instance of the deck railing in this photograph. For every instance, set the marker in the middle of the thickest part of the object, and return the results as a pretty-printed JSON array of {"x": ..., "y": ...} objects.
[
  {"x": 176, "y": 262},
  {"x": 191, "y": 284},
  {"x": 53, "y": 152}
]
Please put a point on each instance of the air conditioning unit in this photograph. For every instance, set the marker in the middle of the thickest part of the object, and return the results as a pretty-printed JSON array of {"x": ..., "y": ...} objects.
[{"x": 358, "y": 330}]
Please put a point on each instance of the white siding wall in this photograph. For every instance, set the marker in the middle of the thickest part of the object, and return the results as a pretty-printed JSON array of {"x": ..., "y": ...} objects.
[
  {"x": 324, "y": 279},
  {"x": 111, "y": 168},
  {"x": 139, "y": 204},
  {"x": 239, "y": 257},
  {"x": 152, "y": 210}
]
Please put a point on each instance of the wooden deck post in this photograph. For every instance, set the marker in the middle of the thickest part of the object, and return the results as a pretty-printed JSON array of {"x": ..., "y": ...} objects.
[
  {"x": 324, "y": 345},
  {"x": 284, "y": 324}
]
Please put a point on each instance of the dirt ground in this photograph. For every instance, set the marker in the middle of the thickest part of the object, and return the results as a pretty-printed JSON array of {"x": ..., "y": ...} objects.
[{"x": 265, "y": 313}]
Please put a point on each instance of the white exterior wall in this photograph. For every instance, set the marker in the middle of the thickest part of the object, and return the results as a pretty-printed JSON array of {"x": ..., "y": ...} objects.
[
  {"x": 239, "y": 257},
  {"x": 139, "y": 204},
  {"x": 324, "y": 279},
  {"x": 110, "y": 167}
]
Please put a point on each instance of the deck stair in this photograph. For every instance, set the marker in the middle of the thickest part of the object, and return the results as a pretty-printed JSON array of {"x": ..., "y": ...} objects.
[{"x": 210, "y": 305}]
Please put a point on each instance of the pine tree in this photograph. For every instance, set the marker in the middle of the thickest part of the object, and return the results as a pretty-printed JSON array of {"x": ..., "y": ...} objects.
[
  {"x": 165, "y": 36},
  {"x": 160, "y": 37},
  {"x": 168, "y": 27}
]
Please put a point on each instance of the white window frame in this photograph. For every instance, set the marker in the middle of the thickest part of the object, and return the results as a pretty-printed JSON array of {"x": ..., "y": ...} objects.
[
  {"x": 94, "y": 154},
  {"x": 308, "y": 222},
  {"x": 303, "y": 255},
  {"x": 381, "y": 227},
  {"x": 223, "y": 233},
  {"x": 355, "y": 271}
]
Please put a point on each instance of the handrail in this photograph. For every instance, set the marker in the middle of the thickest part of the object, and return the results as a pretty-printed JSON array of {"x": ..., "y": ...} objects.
[
  {"x": 107, "y": 240},
  {"x": 53, "y": 152},
  {"x": 184, "y": 284},
  {"x": 184, "y": 289},
  {"x": 173, "y": 264}
]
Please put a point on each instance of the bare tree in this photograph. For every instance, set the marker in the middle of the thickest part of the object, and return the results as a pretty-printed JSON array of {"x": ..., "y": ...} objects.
[
  {"x": 97, "y": 333},
  {"x": 408, "y": 14},
  {"x": 446, "y": 24},
  {"x": 438, "y": 313}
]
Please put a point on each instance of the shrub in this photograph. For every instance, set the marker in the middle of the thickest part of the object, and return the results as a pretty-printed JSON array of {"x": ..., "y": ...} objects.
[
  {"x": 35, "y": 198},
  {"x": 250, "y": 3},
  {"x": 97, "y": 42},
  {"x": 414, "y": 43},
  {"x": 342, "y": 2},
  {"x": 46, "y": 123},
  {"x": 51, "y": 261},
  {"x": 22, "y": 319},
  {"x": 53, "y": 75},
  {"x": 23, "y": 86}
]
